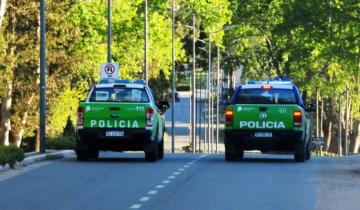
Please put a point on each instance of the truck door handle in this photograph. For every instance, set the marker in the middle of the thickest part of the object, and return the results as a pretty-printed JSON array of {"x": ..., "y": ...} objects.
[
  {"x": 262, "y": 109},
  {"x": 114, "y": 108}
]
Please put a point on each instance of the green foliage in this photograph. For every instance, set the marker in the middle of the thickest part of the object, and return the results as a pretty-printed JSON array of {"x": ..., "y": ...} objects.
[
  {"x": 10, "y": 154},
  {"x": 69, "y": 130},
  {"x": 316, "y": 43},
  {"x": 60, "y": 143}
]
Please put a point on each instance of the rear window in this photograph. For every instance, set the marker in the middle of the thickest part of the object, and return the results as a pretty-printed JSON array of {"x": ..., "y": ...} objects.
[
  {"x": 260, "y": 96},
  {"x": 119, "y": 94}
]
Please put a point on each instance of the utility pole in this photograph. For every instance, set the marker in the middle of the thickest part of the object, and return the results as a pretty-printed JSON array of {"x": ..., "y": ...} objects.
[
  {"x": 340, "y": 134},
  {"x": 208, "y": 95},
  {"x": 109, "y": 33},
  {"x": 193, "y": 99},
  {"x": 217, "y": 98},
  {"x": 173, "y": 79},
  {"x": 347, "y": 121},
  {"x": 145, "y": 40},
  {"x": 317, "y": 112},
  {"x": 42, "y": 77},
  {"x": 200, "y": 112}
]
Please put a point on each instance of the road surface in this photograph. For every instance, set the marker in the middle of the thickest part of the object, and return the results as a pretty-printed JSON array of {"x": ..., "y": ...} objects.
[{"x": 184, "y": 181}]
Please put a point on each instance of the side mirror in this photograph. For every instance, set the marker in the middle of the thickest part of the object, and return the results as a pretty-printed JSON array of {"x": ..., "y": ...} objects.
[
  {"x": 228, "y": 102},
  {"x": 163, "y": 105},
  {"x": 310, "y": 108}
]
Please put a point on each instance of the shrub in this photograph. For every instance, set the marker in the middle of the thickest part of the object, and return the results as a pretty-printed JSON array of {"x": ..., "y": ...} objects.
[
  {"x": 10, "y": 154},
  {"x": 60, "y": 142}
]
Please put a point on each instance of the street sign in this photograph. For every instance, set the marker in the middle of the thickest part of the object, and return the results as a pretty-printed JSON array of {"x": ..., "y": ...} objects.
[
  {"x": 109, "y": 71},
  {"x": 319, "y": 141}
]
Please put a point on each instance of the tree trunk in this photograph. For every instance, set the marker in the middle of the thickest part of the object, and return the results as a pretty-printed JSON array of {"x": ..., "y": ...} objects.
[
  {"x": 19, "y": 129},
  {"x": 355, "y": 137},
  {"x": 327, "y": 122},
  {"x": 328, "y": 132},
  {"x": 5, "y": 123},
  {"x": 2, "y": 10}
]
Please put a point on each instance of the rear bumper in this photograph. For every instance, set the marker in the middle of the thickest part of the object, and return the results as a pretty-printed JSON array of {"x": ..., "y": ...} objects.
[
  {"x": 134, "y": 139},
  {"x": 246, "y": 140}
]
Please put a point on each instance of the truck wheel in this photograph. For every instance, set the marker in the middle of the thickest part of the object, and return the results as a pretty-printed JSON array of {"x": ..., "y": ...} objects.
[
  {"x": 230, "y": 156},
  {"x": 82, "y": 151},
  {"x": 161, "y": 149},
  {"x": 233, "y": 156},
  {"x": 300, "y": 153},
  {"x": 82, "y": 155},
  {"x": 241, "y": 154},
  {"x": 151, "y": 153},
  {"x": 94, "y": 154},
  {"x": 308, "y": 151}
]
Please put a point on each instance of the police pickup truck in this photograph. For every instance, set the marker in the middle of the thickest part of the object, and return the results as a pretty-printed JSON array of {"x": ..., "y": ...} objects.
[
  {"x": 267, "y": 116},
  {"x": 120, "y": 116}
]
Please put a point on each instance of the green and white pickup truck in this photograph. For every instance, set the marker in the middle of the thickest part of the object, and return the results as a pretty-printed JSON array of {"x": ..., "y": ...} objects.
[
  {"x": 120, "y": 116},
  {"x": 267, "y": 116}
]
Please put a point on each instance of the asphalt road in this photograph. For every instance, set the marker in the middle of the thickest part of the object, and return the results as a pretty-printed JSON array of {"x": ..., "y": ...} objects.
[{"x": 183, "y": 181}]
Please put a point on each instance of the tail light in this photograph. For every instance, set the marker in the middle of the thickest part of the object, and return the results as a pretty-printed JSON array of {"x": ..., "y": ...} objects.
[
  {"x": 229, "y": 116},
  {"x": 149, "y": 116},
  {"x": 80, "y": 117},
  {"x": 266, "y": 87},
  {"x": 297, "y": 118}
]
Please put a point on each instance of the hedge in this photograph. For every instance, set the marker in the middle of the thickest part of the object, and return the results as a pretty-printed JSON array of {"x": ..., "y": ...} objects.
[
  {"x": 10, "y": 154},
  {"x": 59, "y": 143}
]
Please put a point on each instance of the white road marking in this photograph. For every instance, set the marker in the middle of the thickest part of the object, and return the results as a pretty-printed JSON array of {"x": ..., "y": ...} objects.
[
  {"x": 135, "y": 206},
  {"x": 152, "y": 192},
  {"x": 166, "y": 181},
  {"x": 144, "y": 199}
]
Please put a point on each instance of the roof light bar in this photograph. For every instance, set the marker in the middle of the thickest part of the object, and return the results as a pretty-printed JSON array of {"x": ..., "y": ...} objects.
[
  {"x": 271, "y": 82},
  {"x": 123, "y": 81}
]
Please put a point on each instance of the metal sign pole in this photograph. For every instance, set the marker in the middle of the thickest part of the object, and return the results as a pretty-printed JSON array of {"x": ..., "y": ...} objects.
[
  {"x": 346, "y": 121},
  {"x": 340, "y": 116},
  {"x": 173, "y": 79},
  {"x": 208, "y": 95},
  {"x": 193, "y": 99},
  {"x": 109, "y": 33},
  {"x": 42, "y": 77},
  {"x": 217, "y": 99},
  {"x": 145, "y": 40}
]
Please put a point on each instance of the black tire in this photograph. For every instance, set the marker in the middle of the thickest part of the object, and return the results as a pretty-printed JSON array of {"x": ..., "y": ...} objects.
[
  {"x": 151, "y": 153},
  {"x": 82, "y": 155},
  {"x": 241, "y": 154},
  {"x": 82, "y": 151},
  {"x": 300, "y": 153},
  {"x": 161, "y": 149},
  {"x": 308, "y": 151},
  {"x": 231, "y": 156},
  {"x": 94, "y": 154}
]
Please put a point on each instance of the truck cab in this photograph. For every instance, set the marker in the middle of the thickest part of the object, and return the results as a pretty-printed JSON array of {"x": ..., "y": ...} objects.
[{"x": 267, "y": 116}]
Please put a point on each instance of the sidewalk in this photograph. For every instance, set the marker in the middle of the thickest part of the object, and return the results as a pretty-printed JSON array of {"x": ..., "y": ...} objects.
[{"x": 35, "y": 157}]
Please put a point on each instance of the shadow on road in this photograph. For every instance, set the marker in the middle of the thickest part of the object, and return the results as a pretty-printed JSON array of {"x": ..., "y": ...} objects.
[{"x": 259, "y": 158}]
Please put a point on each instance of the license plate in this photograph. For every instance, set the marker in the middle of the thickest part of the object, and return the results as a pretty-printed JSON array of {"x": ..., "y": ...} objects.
[
  {"x": 263, "y": 134},
  {"x": 115, "y": 133}
]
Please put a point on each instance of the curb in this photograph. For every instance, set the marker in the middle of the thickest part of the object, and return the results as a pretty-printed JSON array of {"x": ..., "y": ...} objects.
[{"x": 39, "y": 158}]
